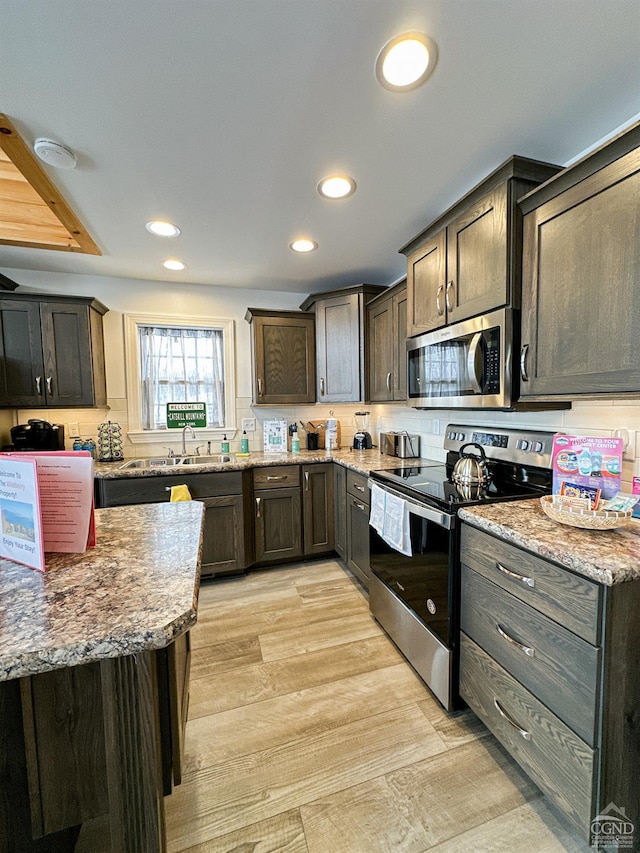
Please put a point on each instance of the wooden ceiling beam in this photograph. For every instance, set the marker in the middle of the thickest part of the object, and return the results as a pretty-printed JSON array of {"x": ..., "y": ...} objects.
[{"x": 66, "y": 231}]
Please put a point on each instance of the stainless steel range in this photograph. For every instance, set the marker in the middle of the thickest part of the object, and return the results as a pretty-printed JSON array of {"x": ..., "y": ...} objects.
[{"x": 414, "y": 538}]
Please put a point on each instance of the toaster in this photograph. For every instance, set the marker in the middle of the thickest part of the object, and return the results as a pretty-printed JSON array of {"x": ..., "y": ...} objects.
[{"x": 400, "y": 444}]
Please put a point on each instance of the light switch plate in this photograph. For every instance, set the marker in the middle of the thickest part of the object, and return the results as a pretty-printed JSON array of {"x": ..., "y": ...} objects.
[
  {"x": 435, "y": 426},
  {"x": 74, "y": 430},
  {"x": 249, "y": 424}
]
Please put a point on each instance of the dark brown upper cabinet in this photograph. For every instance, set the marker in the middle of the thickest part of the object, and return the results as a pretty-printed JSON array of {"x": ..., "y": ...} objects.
[
  {"x": 581, "y": 273},
  {"x": 51, "y": 351},
  {"x": 341, "y": 342},
  {"x": 387, "y": 349},
  {"x": 283, "y": 356},
  {"x": 468, "y": 261}
]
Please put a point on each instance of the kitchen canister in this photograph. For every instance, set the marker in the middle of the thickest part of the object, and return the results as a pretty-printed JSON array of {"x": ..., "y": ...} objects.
[{"x": 110, "y": 442}]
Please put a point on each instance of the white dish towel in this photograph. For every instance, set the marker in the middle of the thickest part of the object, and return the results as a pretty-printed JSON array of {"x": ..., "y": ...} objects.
[{"x": 390, "y": 518}]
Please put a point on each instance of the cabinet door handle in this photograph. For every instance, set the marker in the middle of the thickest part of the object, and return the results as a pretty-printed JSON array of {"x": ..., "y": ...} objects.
[
  {"x": 359, "y": 505},
  {"x": 271, "y": 477},
  {"x": 524, "y": 351},
  {"x": 516, "y": 577},
  {"x": 258, "y": 507},
  {"x": 39, "y": 384},
  {"x": 322, "y": 385},
  {"x": 525, "y": 734},
  {"x": 439, "y": 308},
  {"x": 450, "y": 286},
  {"x": 259, "y": 387},
  {"x": 306, "y": 481},
  {"x": 526, "y": 649},
  {"x": 389, "y": 382},
  {"x": 48, "y": 385}
]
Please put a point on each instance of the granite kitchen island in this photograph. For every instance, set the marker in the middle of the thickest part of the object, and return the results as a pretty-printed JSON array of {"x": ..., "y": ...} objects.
[{"x": 94, "y": 662}]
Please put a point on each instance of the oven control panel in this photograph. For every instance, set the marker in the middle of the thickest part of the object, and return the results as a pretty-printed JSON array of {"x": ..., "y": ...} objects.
[{"x": 526, "y": 447}]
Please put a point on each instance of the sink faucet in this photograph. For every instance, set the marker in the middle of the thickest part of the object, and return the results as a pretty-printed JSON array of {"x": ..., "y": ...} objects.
[{"x": 184, "y": 438}]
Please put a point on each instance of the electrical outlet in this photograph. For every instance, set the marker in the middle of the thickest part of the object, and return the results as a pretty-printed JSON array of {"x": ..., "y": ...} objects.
[
  {"x": 249, "y": 424},
  {"x": 435, "y": 426},
  {"x": 74, "y": 430}
]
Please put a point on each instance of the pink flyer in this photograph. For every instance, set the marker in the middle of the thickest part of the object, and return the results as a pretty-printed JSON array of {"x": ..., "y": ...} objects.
[{"x": 587, "y": 466}]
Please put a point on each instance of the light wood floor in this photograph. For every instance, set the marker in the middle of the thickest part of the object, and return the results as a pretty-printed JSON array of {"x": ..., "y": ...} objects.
[{"x": 309, "y": 733}]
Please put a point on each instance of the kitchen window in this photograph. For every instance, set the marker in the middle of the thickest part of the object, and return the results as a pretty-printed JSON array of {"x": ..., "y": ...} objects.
[{"x": 178, "y": 360}]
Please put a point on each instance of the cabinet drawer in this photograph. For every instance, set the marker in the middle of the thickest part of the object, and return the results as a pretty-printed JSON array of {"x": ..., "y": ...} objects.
[
  {"x": 573, "y": 601},
  {"x": 276, "y": 477},
  {"x": 140, "y": 490},
  {"x": 357, "y": 486},
  {"x": 555, "y": 665},
  {"x": 554, "y": 756}
]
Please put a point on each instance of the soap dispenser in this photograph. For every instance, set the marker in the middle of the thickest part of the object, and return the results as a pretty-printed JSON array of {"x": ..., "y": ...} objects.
[
  {"x": 224, "y": 447},
  {"x": 244, "y": 442}
]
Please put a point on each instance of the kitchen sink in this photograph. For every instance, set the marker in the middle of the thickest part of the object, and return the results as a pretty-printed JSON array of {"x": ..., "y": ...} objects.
[
  {"x": 152, "y": 462},
  {"x": 215, "y": 459},
  {"x": 173, "y": 461}
]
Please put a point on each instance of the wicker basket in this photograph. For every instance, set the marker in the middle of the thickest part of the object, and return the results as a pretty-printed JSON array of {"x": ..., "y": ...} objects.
[{"x": 589, "y": 519}]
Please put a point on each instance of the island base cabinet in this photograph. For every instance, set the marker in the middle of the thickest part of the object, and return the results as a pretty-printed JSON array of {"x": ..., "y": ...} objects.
[{"x": 94, "y": 745}]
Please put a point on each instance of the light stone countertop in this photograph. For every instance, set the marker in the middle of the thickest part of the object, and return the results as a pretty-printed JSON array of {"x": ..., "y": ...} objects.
[
  {"x": 607, "y": 556},
  {"x": 136, "y": 590},
  {"x": 362, "y": 461}
]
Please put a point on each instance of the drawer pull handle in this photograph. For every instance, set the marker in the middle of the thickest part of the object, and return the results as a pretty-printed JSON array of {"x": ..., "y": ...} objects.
[
  {"x": 359, "y": 506},
  {"x": 525, "y": 734},
  {"x": 359, "y": 488},
  {"x": 522, "y": 578},
  {"x": 526, "y": 649},
  {"x": 283, "y": 477}
]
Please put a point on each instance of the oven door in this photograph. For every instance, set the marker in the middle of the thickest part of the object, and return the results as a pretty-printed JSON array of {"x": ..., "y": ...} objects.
[{"x": 415, "y": 599}]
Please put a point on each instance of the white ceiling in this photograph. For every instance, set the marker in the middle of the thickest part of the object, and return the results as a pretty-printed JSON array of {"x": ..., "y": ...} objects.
[{"x": 222, "y": 115}]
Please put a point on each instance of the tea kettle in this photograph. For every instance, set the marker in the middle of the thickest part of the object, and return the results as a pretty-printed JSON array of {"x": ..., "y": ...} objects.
[{"x": 471, "y": 469}]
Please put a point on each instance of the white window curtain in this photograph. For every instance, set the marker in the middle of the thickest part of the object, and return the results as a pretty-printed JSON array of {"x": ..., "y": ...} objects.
[{"x": 181, "y": 365}]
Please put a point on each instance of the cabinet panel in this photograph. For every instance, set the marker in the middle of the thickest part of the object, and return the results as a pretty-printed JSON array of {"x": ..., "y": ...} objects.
[
  {"x": 358, "y": 538},
  {"x": 283, "y": 345},
  {"x": 426, "y": 283},
  {"x": 338, "y": 349},
  {"x": 21, "y": 354},
  {"x": 53, "y": 352},
  {"x": 223, "y": 547},
  {"x": 381, "y": 348},
  {"x": 555, "y": 758},
  {"x": 477, "y": 258},
  {"x": 278, "y": 524},
  {"x": 340, "y": 502},
  {"x": 581, "y": 271},
  {"x": 555, "y": 665},
  {"x": 317, "y": 503},
  {"x": 400, "y": 303}
]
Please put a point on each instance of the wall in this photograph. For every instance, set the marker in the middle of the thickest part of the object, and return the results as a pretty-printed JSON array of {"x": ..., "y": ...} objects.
[{"x": 125, "y": 295}]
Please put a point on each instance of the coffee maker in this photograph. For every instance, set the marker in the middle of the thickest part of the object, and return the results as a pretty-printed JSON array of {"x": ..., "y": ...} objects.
[{"x": 362, "y": 437}]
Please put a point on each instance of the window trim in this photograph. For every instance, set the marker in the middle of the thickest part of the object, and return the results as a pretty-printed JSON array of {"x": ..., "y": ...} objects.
[{"x": 135, "y": 433}]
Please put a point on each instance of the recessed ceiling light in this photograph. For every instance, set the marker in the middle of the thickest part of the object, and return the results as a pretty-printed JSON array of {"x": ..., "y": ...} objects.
[
  {"x": 161, "y": 228},
  {"x": 173, "y": 264},
  {"x": 303, "y": 245},
  {"x": 405, "y": 62},
  {"x": 337, "y": 186}
]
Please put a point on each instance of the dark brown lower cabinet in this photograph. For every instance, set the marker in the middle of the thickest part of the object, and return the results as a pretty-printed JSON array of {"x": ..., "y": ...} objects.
[
  {"x": 278, "y": 524},
  {"x": 317, "y": 508},
  {"x": 224, "y": 547},
  {"x": 98, "y": 741},
  {"x": 357, "y": 519}
]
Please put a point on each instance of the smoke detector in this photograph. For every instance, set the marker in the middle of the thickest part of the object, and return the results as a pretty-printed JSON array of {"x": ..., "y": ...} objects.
[{"x": 55, "y": 154}]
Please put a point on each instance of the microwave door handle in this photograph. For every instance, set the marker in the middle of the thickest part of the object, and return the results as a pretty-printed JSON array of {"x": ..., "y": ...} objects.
[{"x": 472, "y": 357}]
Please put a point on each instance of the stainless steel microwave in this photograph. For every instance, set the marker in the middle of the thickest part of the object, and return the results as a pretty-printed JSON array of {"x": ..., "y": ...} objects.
[{"x": 465, "y": 365}]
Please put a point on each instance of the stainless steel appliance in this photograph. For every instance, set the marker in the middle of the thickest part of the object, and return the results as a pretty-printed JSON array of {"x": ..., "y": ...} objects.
[
  {"x": 362, "y": 437},
  {"x": 37, "y": 435},
  {"x": 415, "y": 597},
  {"x": 468, "y": 365},
  {"x": 400, "y": 444}
]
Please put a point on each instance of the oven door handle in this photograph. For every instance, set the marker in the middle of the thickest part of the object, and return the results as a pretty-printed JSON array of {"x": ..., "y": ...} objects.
[{"x": 443, "y": 519}]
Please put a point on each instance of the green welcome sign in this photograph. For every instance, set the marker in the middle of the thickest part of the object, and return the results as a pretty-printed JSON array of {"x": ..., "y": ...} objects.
[{"x": 180, "y": 415}]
